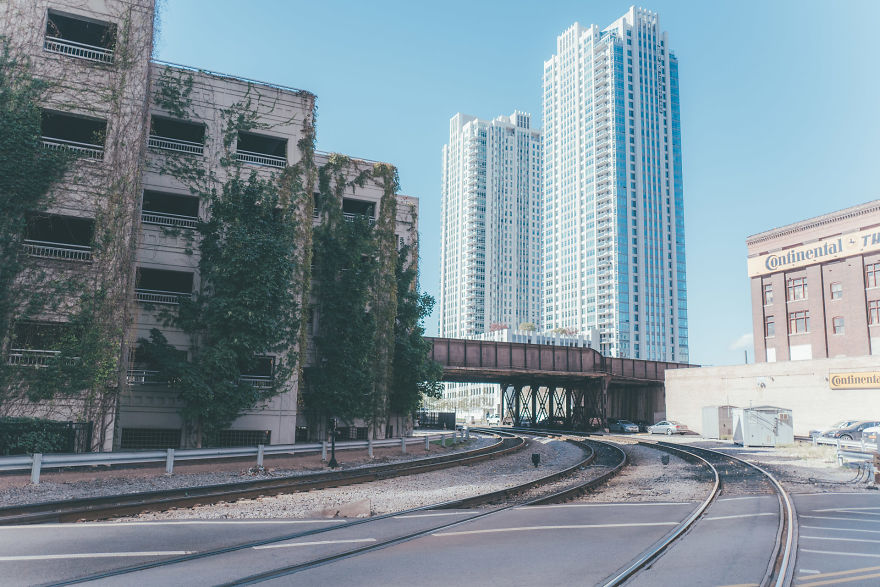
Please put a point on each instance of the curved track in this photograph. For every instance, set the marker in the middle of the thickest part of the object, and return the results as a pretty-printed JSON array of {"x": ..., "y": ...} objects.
[
  {"x": 98, "y": 508},
  {"x": 732, "y": 477},
  {"x": 507, "y": 496}
]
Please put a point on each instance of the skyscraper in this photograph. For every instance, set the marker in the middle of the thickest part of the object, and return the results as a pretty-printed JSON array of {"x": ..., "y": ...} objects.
[
  {"x": 614, "y": 253},
  {"x": 490, "y": 255}
]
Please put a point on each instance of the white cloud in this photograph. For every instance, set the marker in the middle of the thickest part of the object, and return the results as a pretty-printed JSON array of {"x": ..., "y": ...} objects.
[{"x": 746, "y": 341}]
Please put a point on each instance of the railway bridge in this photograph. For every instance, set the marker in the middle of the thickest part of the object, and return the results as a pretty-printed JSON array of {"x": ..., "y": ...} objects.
[{"x": 572, "y": 387}]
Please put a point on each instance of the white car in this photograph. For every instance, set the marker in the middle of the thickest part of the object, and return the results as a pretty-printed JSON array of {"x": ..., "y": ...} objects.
[
  {"x": 871, "y": 435},
  {"x": 493, "y": 419},
  {"x": 668, "y": 427}
]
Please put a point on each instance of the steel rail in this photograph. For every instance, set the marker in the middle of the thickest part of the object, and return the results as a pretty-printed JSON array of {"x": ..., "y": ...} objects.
[
  {"x": 97, "y": 508},
  {"x": 459, "y": 503},
  {"x": 781, "y": 565}
]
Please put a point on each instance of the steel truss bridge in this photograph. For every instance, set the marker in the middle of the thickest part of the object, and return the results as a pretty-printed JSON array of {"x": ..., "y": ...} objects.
[{"x": 556, "y": 386}]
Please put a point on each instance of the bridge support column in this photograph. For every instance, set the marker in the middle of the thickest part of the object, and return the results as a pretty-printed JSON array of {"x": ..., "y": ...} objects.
[{"x": 533, "y": 390}]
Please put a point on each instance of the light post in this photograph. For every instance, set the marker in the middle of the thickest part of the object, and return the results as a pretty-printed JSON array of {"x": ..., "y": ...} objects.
[{"x": 333, "y": 464}]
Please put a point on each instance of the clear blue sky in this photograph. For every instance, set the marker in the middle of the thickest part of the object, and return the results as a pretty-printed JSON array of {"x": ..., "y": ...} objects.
[{"x": 779, "y": 105}]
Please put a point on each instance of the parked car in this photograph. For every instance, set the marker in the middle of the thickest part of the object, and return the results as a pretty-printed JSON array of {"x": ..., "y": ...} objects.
[
  {"x": 615, "y": 425},
  {"x": 668, "y": 427},
  {"x": 833, "y": 427},
  {"x": 871, "y": 434},
  {"x": 493, "y": 419},
  {"x": 851, "y": 432}
]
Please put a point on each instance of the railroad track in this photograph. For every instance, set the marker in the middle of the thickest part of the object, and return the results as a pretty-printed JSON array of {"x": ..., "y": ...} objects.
[
  {"x": 733, "y": 476},
  {"x": 99, "y": 508},
  {"x": 614, "y": 459}
]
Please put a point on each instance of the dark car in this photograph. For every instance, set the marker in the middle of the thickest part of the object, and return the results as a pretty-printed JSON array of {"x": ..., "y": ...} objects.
[
  {"x": 615, "y": 425},
  {"x": 851, "y": 432}
]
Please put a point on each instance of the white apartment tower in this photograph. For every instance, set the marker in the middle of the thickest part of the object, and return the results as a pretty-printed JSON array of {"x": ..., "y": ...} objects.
[
  {"x": 614, "y": 256},
  {"x": 490, "y": 252}
]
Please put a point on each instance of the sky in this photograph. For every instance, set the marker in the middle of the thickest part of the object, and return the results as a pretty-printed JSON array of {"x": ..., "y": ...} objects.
[{"x": 779, "y": 106}]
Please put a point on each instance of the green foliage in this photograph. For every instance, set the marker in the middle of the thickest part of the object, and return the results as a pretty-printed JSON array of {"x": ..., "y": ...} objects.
[
  {"x": 27, "y": 172},
  {"x": 415, "y": 374},
  {"x": 528, "y": 326},
  {"x": 32, "y": 435},
  {"x": 245, "y": 309},
  {"x": 173, "y": 89}
]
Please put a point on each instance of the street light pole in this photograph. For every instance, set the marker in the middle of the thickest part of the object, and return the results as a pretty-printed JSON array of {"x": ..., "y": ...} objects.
[{"x": 333, "y": 464}]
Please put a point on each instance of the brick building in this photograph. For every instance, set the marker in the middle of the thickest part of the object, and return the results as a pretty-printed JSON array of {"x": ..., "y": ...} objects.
[{"x": 815, "y": 287}]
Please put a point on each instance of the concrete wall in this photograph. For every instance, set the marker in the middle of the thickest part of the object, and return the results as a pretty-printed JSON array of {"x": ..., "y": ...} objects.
[{"x": 801, "y": 386}]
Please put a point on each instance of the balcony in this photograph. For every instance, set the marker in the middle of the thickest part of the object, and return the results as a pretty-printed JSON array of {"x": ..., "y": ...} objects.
[
  {"x": 158, "y": 296},
  {"x": 79, "y": 135},
  {"x": 257, "y": 381},
  {"x": 66, "y": 238},
  {"x": 80, "y": 38},
  {"x": 172, "y": 210},
  {"x": 160, "y": 286},
  {"x": 179, "y": 136},
  {"x": 261, "y": 150},
  {"x": 259, "y": 373},
  {"x": 62, "y": 251},
  {"x": 31, "y": 357}
]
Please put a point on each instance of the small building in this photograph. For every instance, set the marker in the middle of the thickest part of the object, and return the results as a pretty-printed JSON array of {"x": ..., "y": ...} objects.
[
  {"x": 718, "y": 422},
  {"x": 762, "y": 426}
]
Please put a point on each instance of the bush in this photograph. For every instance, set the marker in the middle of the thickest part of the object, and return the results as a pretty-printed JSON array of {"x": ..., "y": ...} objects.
[{"x": 32, "y": 435}]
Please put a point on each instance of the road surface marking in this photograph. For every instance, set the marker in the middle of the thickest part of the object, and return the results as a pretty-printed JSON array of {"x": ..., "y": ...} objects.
[
  {"x": 841, "y": 529},
  {"x": 315, "y": 543},
  {"x": 741, "y": 516},
  {"x": 564, "y": 527},
  {"x": 742, "y": 498},
  {"x": 39, "y": 557},
  {"x": 840, "y": 553},
  {"x": 808, "y": 571},
  {"x": 833, "y": 493},
  {"x": 847, "y": 509},
  {"x": 837, "y": 580},
  {"x": 599, "y": 505},
  {"x": 106, "y": 525},
  {"x": 431, "y": 515},
  {"x": 844, "y": 519},
  {"x": 838, "y": 573},
  {"x": 841, "y": 539}
]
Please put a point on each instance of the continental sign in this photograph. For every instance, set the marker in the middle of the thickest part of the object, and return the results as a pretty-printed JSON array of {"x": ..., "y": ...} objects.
[
  {"x": 866, "y": 380},
  {"x": 837, "y": 247}
]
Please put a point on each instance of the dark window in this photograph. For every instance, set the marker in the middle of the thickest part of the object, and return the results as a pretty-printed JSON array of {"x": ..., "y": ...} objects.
[
  {"x": 230, "y": 438},
  {"x": 352, "y": 207},
  {"x": 159, "y": 286},
  {"x": 75, "y": 133},
  {"x": 150, "y": 438},
  {"x": 170, "y": 209},
  {"x": 874, "y": 312},
  {"x": 80, "y": 37},
  {"x": 836, "y": 291},
  {"x": 40, "y": 335},
  {"x": 768, "y": 294},
  {"x": 261, "y": 149},
  {"x": 769, "y": 326},
  {"x": 177, "y": 135},
  {"x": 60, "y": 229},
  {"x": 837, "y": 325}
]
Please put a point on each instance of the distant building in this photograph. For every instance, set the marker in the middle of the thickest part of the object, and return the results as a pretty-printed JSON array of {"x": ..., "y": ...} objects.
[
  {"x": 472, "y": 402},
  {"x": 816, "y": 287},
  {"x": 490, "y": 250},
  {"x": 614, "y": 248}
]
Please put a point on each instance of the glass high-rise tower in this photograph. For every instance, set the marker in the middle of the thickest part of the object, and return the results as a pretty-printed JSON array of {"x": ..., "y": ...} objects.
[
  {"x": 490, "y": 255},
  {"x": 613, "y": 217}
]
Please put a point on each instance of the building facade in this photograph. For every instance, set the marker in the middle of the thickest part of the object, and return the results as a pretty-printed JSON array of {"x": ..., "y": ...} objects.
[
  {"x": 490, "y": 251},
  {"x": 815, "y": 287},
  {"x": 147, "y": 139},
  {"x": 614, "y": 242}
]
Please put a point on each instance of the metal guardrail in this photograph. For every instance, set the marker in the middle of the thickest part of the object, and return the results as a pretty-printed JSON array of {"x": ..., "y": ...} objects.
[
  {"x": 155, "y": 296},
  {"x": 87, "y": 150},
  {"x": 63, "y": 251},
  {"x": 163, "y": 219},
  {"x": 35, "y": 357},
  {"x": 261, "y": 158},
  {"x": 37, "y": 461},
  {"x": 81, "y": 50},
  {"x": 176, "y": 145},
  {"x": 859, "y": 445}
]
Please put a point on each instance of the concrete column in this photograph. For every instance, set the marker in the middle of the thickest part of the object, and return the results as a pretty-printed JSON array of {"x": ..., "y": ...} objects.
[
  {"x": 370, "y": 446},
  {"x": 324, "y": 450},
  {"x": 427, "y": 443},
  {"x": 403, "y": 444},
  {"x": 260, "y": 448},
  {"x": 169, "y": 462}
]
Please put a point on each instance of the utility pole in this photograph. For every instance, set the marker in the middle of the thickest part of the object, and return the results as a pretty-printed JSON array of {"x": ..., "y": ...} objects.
[{"x": 333, "y": 464}]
